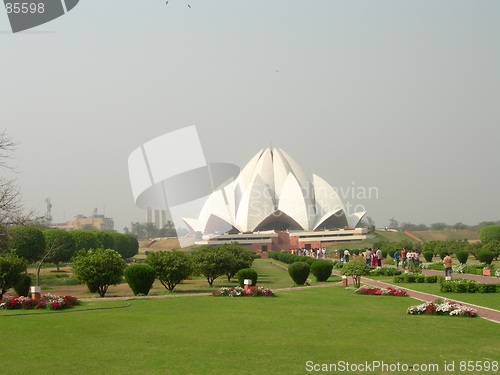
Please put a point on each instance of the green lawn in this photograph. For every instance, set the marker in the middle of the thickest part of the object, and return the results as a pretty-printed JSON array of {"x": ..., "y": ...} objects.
[
  {"x": 206, "y": 335},
  {"x": 209, "y": 335}
]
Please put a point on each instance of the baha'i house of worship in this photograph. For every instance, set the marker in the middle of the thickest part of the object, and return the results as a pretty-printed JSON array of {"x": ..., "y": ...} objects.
[{"x": 272, "y": 205}]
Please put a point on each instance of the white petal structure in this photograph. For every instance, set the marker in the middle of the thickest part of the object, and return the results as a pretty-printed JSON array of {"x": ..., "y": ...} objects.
[{"x": 273, "y": 193}]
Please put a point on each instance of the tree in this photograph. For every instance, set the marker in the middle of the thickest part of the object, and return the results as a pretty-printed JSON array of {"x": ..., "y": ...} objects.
[
  {"x": 84, "y": 240},
  {"x": 243, "y": 258},
  {"x": 439, "y": 226},
  {"x": 393, "y": 223},
  {"x": 104, "y": 239},
  {"x": 494, "y": 247},
  {"x": 489, "y": 233},
  {"x": 11, "y": 267},
  {"x": 11, "y": 208},
  {"x": 356, "y": 269},
  {"x": 121, "y": 245},
  {"x": 27, "y": 242},
  {"x": 60, "y": 244},
  {"x": 172, "y": 267},
  {"x": 133, "y": 245},
  {"x": 143, "y": 231},
  {"x": 99, "y": 269},
  {"x": 212, "y": 262},
  {"x": 474, "y": 248}
]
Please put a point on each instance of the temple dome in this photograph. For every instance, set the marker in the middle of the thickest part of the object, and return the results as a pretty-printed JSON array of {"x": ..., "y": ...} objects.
[{"x": 272, "y": 192}]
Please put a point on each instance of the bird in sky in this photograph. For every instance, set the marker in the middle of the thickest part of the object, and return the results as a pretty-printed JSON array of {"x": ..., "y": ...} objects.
[{"x": 189, "y": 5}]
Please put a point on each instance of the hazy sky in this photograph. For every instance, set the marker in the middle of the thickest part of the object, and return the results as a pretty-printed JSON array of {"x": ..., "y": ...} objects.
[{"x": 398, "y": 96}]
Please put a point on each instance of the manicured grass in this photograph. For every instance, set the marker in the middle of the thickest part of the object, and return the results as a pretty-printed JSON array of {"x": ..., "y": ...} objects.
[
  {"x": 443, "y": 235},
  {"x": 209, "y": 335}
]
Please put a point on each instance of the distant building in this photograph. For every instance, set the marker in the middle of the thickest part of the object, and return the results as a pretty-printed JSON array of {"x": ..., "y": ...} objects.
[
  {"x": 96, "y": 221},
  {"x": 158, "y": 217}
]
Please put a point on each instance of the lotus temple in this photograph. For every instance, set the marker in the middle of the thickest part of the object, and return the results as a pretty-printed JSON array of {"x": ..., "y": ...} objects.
[{"x": 272, "y": 205}]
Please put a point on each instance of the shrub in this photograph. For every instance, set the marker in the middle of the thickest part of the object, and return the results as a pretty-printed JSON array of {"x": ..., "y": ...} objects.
[
  {"x": 446, "y": 287},
  {"x": 140, "y": 278},
  {"x": 420, "y": 278},
  {"x": 487, "y": 288},
  {"x": 411, "y": 278},
  {"x": 299, "y": 271},
  {"x": 462, "y": 256},
  {"x": 428, "y": 256},
  {"x": 172, "y": 267},
  {"x": 247, "y": 273},
  {"x": 322, "y": 269},
  {"x": 338, "y": 265},
  {"x": 22, "y": 287},
  {"x": 11, "y": 268},
  {"x": 485, "y": 256},
  {"x": 212, "y": 262},
  {"x": 356, "y": 269},
  {"x": 311, "y": 260},
  {"x": 386, "y": 271},
  {"x": 431, "y": 279},
  {"x": 99, "y": 269}
]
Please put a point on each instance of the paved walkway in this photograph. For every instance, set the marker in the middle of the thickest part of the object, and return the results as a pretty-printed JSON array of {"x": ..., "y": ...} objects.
[
  {"x": 478, "y": 278},
  {"x": 484, "y": 312}
]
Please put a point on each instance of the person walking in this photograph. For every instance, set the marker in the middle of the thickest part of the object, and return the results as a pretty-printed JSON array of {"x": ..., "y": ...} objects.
[
  {"x": 374, "y": 259},
  {"x": 403, "y": 258},
  {"x": 447, "y": 266},
  {"x": 396, "y": 258},
  {"x": 379, "y": 257},
  {"x": 368, "y": 257},
  {"x": 347, "y": 254}
]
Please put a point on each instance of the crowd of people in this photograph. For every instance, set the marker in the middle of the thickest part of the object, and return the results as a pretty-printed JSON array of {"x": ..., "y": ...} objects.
[{"x": 314, "y": 253}]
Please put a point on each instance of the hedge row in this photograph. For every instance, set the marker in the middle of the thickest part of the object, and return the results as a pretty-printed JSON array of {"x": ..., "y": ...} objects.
[
  {"x": 469, "y": 286},
  {"x": 386, "y": 271},
  {"x": 409, "y": 278},
  {"x": 291, "y": 258}
]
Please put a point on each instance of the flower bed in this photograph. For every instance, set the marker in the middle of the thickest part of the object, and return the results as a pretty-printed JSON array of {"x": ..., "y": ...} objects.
[
  {"x": 253, "y": 291},
  {"x": 450, "y": 308},
  {"x": 382, "y": 292},
  {"x": 46, "y": 302}
]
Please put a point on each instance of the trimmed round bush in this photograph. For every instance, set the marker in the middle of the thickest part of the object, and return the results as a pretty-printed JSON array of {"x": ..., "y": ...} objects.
[
  {"x": 311, "y": 260},
  {"x": 299, "y": 271},
  {"x": 247, "y": 273},
  {"x": 140, "y": 278},
  {"x": 22, "y": 286},
  {"x": 321, "y": 269},
  {"x": 485, "y": 256},
  {"x": 462, "y": 256},
  {"x": 428, "y": 256}
]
